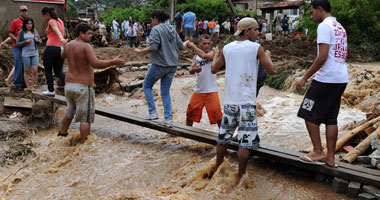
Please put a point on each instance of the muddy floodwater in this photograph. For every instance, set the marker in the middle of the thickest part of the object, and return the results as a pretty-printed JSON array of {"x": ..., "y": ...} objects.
[{"x": 124, "y": 161}]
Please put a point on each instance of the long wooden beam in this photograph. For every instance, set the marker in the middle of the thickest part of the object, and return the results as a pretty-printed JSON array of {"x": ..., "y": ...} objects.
[{"x": 280, "y": 155}]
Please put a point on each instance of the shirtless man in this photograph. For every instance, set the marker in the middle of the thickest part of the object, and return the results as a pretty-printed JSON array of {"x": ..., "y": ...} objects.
[
  {"x": 206, "y": 91},
  {"x": 80, "y": 95}
]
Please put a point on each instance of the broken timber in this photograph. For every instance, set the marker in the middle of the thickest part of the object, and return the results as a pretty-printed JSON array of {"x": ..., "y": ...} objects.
[{"x": 280, "y": 155}]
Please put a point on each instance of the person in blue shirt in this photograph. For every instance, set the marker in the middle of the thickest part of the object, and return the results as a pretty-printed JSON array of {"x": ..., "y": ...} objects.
[{"x": 188, "y": 24}]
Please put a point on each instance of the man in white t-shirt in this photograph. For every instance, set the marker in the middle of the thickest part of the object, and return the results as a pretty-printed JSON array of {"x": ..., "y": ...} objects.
[
  {"x": 206, "y": 91},
  {"x": 241, "y": 59},
  {"x": 115, "y": 27},
  {"x": 322, "y": 100}
]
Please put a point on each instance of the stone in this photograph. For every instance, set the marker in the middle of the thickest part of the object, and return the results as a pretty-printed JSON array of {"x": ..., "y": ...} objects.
[
  {"x": 339, "y": 185},
  {"x": 353, "y": 189},
  {"x": 364, "y": 160},
  {"x": 372, "y": 190},
  {"x": 144, "y": 67},
  {"x": 300, "y": 173},
  {"x": 320, "y": 177},
  {"x": 366, "y": 196}
]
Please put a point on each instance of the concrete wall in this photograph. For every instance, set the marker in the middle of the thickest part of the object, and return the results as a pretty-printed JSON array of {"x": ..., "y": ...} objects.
[{"x": 9, "y": 10}]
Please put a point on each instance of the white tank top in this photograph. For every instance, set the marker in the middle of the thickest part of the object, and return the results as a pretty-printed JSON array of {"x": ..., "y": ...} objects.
[
  {"x": 241, "y": 72},
  {"x": 205, "y": 80}
]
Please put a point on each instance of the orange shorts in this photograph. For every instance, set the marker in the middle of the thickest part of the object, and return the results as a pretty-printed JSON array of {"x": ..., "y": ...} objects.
[{"x": 198, "y": 101}]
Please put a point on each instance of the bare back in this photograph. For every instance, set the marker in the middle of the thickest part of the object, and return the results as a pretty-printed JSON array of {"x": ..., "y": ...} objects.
[{"x": 80, "y": 70}]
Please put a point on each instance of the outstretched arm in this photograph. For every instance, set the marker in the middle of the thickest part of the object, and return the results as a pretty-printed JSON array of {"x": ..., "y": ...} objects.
[
  {"x": 201, "y": 53},
  {"x": 217, "y": 62},
  {"x": 95, "y": 63}
]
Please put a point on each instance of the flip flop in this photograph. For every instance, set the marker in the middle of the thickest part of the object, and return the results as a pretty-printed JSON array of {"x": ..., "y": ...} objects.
[
  {"x": 335, "y": 165},
  {"x": 311, "y": 161}
]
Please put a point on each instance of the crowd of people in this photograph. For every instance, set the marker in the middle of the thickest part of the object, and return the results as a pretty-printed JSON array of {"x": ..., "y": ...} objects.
[{"x": 246, "y": 63}]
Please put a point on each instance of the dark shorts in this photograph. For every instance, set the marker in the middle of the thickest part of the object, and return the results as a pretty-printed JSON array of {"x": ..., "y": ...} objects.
[
  {"x": 188, "y": 31},
  {"x": 322, "y": 103}
]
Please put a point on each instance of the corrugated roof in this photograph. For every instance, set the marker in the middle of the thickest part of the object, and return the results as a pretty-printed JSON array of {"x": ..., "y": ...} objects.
[{"x": 281, "y": 5}]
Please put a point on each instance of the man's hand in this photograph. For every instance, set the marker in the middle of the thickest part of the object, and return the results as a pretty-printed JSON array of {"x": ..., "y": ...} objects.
[
  {"x": 64, "y": 41},
  {"x": 198, "y": 69},
  {"x": 118, "y": 61},
  {"x": 187, "y": 43},
  {"x": 267, "y": 52},
  {"x": 216, "y": 51},
  {"x": 300, "y": 84},
  {"x": 138, "y": 51},
  {"x": 2, "y": 45},
  {"x": 29, "y": 41}
]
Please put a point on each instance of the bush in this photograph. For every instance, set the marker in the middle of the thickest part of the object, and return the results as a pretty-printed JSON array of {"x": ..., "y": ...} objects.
[{"x": 360, "y": 18}]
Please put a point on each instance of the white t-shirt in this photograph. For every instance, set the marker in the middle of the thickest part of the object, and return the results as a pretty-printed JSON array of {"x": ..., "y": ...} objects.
[
  {"x": 217, "y": 28},
  {"x": 241, "y": 72},
  {"x": 264, "y": 29},
  {"x": 115, "y": 24},
  {"x": 334, "y": 70},
  {"x": 205, "y": 80}
]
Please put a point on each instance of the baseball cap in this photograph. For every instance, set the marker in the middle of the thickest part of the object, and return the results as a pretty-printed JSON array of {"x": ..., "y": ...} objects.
[
  {"x": 23, "y": 7},
  {"x": 245, "y": 23}
]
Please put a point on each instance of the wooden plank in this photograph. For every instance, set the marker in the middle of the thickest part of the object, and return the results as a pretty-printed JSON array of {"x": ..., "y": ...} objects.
[
  {"x": 18, "y": 103},
  {"x": 280, "y": 155}
]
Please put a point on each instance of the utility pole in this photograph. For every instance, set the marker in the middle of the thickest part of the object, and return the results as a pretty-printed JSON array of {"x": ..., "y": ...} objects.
[
  {"x": 231, "y": 5},
  {"x": 172, "y": 9}
]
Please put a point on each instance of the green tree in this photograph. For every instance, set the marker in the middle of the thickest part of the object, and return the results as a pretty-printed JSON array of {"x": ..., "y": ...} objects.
[
  {"x": 360, "y": 18},
  {"x": 72, "y": 11}
]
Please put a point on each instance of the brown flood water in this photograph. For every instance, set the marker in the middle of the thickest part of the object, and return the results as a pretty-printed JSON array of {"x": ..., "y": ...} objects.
[{"x": 124, "y": 161}]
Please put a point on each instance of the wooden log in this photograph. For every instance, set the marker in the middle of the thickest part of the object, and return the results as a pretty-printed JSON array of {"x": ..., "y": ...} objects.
[
  {"x": 345, "y": 138},
  {"x": 348, "y": 136},
  {"x": 361, "y": 147}
]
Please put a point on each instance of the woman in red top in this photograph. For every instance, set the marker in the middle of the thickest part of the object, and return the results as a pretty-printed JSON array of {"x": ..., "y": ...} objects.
[{"x": 52, "y": 55}]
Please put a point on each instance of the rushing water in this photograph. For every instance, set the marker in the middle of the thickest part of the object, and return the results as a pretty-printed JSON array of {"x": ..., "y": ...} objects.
[{"x": 124, "y": 161}]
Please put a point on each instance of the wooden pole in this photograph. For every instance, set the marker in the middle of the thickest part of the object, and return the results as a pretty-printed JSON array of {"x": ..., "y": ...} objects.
[
  {"x": 345, "y": 138},
  {"x": 361, "y": 147},
  {"x": 348, "y": 136}
]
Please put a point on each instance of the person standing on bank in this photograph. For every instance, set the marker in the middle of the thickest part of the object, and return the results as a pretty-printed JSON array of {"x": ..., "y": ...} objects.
[
  {"x": 27, "y": 39},
  {"x": 16, "y": 26},
  {"x": 322, "y": 100},
  {"x": 164, "y": 46},
  {"x": 241, "y": 60},
  {"x": 55, "y": 32},
  {"x": 80, "y": 96}
]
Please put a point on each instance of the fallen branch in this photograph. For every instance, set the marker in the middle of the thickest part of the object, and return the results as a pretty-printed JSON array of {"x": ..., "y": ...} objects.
[{"x": 361, "y": 147}]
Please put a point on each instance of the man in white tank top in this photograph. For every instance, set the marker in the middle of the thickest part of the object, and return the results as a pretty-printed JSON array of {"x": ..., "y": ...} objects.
[
  {"x": 206, "y": 91},
  {"x": 322, "y": 100},
  {"x": 241, "y": 59}
]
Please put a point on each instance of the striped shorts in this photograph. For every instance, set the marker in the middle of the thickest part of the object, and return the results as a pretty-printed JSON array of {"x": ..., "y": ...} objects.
[{"x": 80, "y": 101}]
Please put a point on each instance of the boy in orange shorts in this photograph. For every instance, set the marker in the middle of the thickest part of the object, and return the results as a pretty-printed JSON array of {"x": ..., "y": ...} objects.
[{"x": 206, "y": 91}]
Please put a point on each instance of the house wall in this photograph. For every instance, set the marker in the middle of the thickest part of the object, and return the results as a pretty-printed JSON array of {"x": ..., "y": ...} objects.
[{"x": 9, "y": 10}]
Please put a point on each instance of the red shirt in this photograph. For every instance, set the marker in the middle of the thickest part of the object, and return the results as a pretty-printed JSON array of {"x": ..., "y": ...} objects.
[
  {"x": 16, "y": 26},
  {"x": 53, "y": 39}
]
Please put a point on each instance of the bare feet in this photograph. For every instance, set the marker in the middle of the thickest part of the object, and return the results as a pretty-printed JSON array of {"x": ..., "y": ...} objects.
[
  {"x": 314, "y": 156},
  {"x": 238, "y": 178},
  {"x": 331, "y": 163}
]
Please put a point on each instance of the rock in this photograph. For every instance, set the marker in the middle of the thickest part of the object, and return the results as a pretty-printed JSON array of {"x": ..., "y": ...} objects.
[
  {"x": 365, "y": 196},
  {"x": 364, "y": 160},
  {"x": 144, "y": 67},
  {"x": 374, "y": 162},
  {"x": 353, "y": 189},
  {"x": 372, "y": 190},
  {"x": 133, "y": 69},
  {"x": 300, "y": 173},
  {"x": 339, "y": 185},
  {"x": 320, "y": 177}
]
